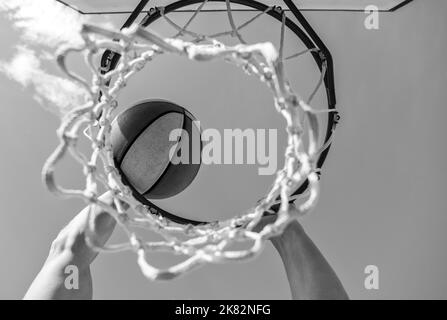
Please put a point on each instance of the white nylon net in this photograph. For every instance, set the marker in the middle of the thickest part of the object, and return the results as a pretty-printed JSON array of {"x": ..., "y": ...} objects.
[{"x": 202, "y": 243}]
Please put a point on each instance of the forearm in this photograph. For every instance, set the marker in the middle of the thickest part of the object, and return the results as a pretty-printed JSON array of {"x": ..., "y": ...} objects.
[
  {"x": 310, "y": 275},
  {"x": 70, "y": 249},
  {"x": 53, "y": 283}
]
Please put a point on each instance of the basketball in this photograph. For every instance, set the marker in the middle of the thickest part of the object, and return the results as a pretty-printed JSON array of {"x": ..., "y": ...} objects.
[{"x": 147, "y": 140}]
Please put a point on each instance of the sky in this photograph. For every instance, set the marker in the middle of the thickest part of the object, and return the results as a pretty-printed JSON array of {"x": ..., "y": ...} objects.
[{"x": 382, "y": 196}]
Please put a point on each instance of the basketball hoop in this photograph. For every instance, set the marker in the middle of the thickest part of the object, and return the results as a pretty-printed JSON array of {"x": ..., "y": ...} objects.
[{"x": 202, "y": 243}]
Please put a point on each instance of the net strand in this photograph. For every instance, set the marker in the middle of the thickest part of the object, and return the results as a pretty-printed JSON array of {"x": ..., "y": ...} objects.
[{"x": 235, "y": 32}]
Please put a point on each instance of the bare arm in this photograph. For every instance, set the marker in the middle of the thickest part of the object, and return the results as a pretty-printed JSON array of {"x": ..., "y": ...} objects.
[
  {"x": 310, "y": 275},
  {"x": 70, "y": 249}
]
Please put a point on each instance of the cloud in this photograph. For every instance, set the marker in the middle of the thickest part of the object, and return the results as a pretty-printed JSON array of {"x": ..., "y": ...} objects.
[
  {"x": 50, "y": 90},
  {"x": 45, "y": 22},
  {"x": 43, "y": 26}
]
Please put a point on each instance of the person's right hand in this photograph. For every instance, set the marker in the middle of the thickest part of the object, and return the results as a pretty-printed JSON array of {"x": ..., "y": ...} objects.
[{"x": 70, "y": 248}]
